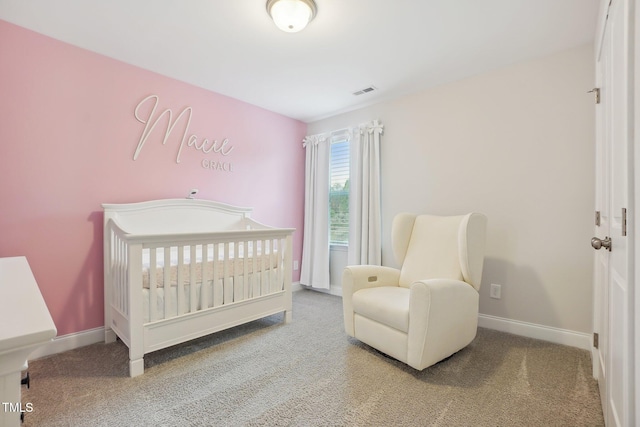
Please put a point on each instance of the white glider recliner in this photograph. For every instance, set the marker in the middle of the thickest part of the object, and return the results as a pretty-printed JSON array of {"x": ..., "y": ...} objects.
[{"x": 427, "y": 310}]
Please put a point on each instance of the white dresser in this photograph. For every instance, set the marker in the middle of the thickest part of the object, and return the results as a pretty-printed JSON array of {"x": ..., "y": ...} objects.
[{"x": 25, "y": 324}]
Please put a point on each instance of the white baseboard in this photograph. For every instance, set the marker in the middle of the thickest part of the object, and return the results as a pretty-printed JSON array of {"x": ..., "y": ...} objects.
[
  {"x": 69, "y": 342},
  {"x": 336, "y": 290},
  {"x": 333, "y": 290},
  {"x": 531, "y": 330}
]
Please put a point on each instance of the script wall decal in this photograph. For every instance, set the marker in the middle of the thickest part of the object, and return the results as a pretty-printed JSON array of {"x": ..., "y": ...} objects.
[{"x": 204, "y": 145}]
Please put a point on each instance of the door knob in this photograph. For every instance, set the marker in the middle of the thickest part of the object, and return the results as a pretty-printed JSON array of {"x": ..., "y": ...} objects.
[{"x": 604, "y": 243}]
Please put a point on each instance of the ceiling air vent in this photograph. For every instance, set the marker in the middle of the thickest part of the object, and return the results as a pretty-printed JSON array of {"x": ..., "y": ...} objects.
[{"x": 365, "y": 90}]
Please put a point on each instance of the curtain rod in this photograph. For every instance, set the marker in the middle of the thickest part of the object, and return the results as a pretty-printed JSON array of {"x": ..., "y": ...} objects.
[
  {"x": 328, "y": 134},
  {"x": 340, "y": 130}
]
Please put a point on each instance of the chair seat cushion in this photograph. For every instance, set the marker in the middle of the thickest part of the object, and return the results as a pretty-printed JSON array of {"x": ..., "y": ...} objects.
[{"x": 388, "y": 305}]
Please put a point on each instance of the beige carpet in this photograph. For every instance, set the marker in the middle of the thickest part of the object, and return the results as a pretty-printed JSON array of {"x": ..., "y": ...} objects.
[{"x": 308, "y": 373}]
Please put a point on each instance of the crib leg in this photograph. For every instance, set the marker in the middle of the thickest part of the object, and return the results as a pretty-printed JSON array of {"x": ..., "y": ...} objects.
[
  {"x": 109, "y": 336},
  {"x": 136, "y": 367},
  {"x": 287, "y": 316}
]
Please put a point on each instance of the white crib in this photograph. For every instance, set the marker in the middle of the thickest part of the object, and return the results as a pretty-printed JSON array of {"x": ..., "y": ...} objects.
[{"x": 179, "y": 269}]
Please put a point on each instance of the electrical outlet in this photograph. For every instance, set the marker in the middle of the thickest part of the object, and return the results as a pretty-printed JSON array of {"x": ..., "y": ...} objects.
[
  {"x": 495, "y": 291},
  {"x": 295, "y": 264}
]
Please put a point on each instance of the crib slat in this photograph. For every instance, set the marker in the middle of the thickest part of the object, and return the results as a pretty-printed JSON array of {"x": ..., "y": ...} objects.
[
  {"x": 245, "y": 270},
  {"x": 204, "y": 287},
  {"x": 237, "y": 284},
  {"x": 273, "y": 283},
  {"x": 228, "y": 289},
  {"x": 217, "y": 285},
  {"x": 180, "y": 281},
  {"x": 275, "y": 271},
  {"x": 255, "y": 276},
  {"x": 263, "y": 284},
  {"x": 267, "y": 271},
  {"x": 193, "y": 301},
  {"x": 264, "y": 259},
  {"x": 153, "y": 298},
  {"x": 166, "y": 281}
]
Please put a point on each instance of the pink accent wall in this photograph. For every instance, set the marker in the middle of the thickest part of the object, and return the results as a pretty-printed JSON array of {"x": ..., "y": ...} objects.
[{"x": 67, "y": 139}]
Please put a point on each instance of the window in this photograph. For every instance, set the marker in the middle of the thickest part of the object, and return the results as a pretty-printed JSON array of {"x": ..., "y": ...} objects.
[{"x": 339, "y": 193}]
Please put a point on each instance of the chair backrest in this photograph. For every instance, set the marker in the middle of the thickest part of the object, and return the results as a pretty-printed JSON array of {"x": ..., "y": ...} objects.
[{"x": 445, "y": 247}]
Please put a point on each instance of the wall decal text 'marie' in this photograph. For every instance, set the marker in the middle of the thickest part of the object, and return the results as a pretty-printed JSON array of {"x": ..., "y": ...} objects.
[{"x": 204, "y": 145}]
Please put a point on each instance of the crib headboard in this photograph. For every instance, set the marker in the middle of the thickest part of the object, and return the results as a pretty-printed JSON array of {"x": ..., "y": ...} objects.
[{"x": 169, "y": 216}]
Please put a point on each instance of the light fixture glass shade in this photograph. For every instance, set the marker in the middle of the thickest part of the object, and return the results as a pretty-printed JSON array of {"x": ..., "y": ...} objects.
[{"x": 291, "y": 15}]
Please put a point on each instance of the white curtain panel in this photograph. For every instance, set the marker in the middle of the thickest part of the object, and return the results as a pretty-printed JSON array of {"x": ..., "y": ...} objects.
[
  {"x": 315, "y": 247},
  {"x": 365, "y": 240}
]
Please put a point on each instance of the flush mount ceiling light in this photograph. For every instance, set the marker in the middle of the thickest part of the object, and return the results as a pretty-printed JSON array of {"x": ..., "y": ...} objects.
[{"x": 291, "y": 15}]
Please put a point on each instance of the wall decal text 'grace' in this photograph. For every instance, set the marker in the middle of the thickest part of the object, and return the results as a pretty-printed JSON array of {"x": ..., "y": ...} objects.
[{"x": 151, "y": 121}]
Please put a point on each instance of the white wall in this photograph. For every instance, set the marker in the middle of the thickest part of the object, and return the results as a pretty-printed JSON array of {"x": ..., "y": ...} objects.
[{"x": 517, "y": 145}]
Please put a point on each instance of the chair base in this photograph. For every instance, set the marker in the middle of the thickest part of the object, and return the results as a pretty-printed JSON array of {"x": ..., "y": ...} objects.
[{"x": 381, "y": 337}]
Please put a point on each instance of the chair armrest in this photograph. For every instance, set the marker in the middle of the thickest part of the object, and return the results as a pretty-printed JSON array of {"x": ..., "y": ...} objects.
[
  {"x": 443, "y": 317},
  {"x": 358, "y": 277}
]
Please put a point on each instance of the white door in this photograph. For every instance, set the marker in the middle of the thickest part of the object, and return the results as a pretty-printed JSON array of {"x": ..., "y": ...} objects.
[{"x": 613, "y": 308}]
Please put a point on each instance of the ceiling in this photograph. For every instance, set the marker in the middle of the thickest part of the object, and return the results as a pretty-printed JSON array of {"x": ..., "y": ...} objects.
[{"x": 232, "y": 47}]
